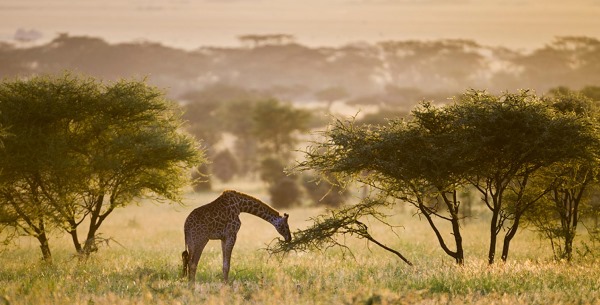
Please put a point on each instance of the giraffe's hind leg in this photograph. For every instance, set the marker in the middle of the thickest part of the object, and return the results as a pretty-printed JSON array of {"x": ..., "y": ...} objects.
[{"x": 194, "y": 258}]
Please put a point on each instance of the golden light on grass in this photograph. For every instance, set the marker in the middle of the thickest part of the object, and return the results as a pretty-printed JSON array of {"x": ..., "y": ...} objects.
[{"x": 145, "y": 269}]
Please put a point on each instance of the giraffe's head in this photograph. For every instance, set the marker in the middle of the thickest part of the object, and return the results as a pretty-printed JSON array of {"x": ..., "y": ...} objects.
[{"x": 281, "y": 224}]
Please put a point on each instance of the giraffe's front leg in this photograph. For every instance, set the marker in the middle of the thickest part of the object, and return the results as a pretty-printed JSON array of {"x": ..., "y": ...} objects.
[{"x": 227, "y": 247}]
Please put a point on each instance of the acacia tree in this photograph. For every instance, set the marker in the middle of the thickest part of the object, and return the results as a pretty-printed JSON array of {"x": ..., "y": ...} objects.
[
  {"x": 39, "y": 112},
  {"x": 516, "y": 136},
  {"x": 559, "y": 213},
  {"x": 79, "y": 149},
  {"x": 408, "y": 161},
  {"x": 497, "y": 144}
]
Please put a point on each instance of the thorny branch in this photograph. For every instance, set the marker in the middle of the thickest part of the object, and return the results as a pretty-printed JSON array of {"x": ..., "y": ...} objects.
[{"x": 323, "y": 234}]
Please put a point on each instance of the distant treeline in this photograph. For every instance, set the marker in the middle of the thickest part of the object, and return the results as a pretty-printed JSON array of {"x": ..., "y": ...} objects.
[{"x": 390, "y": 72}]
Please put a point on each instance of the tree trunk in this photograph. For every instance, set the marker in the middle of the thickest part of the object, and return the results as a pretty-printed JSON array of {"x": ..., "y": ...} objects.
[
  {"x": 460, "y": 256},
  {"x": 493, "y": 236},
  {"x": 44, "y": 246},
  {"x": 90, "y": 242},
  {"x": 570, "y": 228},
  {"x": 452, "y": 206},
  {"x": 569, "y": 245},
  {"x": 75, "y": 240},
  {"x": 39, "y": 230},
  {"x": 509, "y": 236},
  {"x": 96, "y": 220},
  {"x": 572, "y": 222}
]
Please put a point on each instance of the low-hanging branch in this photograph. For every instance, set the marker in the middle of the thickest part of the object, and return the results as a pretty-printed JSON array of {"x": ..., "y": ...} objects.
[{"x": 324, "y": 233}]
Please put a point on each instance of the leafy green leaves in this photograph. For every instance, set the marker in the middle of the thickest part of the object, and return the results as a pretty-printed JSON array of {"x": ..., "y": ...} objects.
[
  {"x": 79, "y": 148},
  {"x": 494, "y": 143}
]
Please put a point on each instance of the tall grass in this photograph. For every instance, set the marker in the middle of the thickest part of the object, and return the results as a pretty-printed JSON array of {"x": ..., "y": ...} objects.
[{"x": 144, "y": 268}]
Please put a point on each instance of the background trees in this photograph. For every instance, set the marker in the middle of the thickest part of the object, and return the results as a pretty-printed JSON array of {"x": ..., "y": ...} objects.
[
  {"x": 79, "y": 149},
  {"x": 432, "y": 67},
  {"x": 276, "y": 126},
  {"x": 262, "y": 133}
]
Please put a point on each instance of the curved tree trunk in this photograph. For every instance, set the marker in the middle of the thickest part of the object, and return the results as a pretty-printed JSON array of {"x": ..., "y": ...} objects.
[
  {"x": 76, "y": 243},
  {"x": 509, "y": 236},
  {"x": 44, "y": 246},
  {"x": 452, "y": 206}
]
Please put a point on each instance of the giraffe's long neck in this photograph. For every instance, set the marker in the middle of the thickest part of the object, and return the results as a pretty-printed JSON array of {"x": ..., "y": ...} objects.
[{"x": 258, "y": 208}]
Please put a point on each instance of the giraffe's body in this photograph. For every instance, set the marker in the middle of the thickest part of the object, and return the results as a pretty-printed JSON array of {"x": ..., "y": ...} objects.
[{"x": 220, "y": 220}]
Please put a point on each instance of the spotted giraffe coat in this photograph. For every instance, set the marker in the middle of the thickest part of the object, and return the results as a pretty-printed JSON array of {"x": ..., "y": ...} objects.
[{"x": 219, "y": 220}]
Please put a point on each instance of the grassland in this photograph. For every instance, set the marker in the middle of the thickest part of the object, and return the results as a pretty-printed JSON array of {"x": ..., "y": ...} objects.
[{"x": 144, "y": 267}]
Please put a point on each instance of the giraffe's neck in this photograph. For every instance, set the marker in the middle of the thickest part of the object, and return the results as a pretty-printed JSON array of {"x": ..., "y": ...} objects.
[{"x": 251, "y": 205}]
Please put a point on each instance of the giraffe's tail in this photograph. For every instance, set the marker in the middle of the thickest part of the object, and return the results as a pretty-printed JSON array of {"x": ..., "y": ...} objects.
[{"x": 185, "y": 257}]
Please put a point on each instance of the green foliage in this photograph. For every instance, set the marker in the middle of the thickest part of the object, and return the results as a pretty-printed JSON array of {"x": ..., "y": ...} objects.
[
  {"x": 496, "y": 144},
  {"x": 412, "y": 161},
  {"x": 558, "y": 214},
  {"x": 383, "y": 116},
  {"x": 80, "y": 148},
  {"x": 515, "y": 136},
  {"x": 40, "y": 162},
  {"x": 327, "y": 229}
]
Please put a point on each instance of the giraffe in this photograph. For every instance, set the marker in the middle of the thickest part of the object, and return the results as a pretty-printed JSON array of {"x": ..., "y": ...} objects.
[{"x": 220, "y": 220}]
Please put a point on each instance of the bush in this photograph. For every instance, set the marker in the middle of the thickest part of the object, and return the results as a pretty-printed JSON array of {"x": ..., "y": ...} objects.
[
  {"x": 225, "y": 166},
  {"x": 272, "y": 170},
  {"x": 285, "y": 193}
]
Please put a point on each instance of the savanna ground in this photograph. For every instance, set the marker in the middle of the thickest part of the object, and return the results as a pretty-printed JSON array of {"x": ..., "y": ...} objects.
[{"x": 144, "y": 267}]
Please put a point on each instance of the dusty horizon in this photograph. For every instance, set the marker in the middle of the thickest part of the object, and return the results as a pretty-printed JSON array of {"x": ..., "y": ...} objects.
[{"x": 188, "y": 24}]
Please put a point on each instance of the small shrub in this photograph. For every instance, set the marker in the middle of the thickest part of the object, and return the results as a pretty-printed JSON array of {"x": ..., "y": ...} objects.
[
  {"x": 285, "y": 193},
  {"x": 272, "y": 170},
  {"x": 225, "y": 166}
]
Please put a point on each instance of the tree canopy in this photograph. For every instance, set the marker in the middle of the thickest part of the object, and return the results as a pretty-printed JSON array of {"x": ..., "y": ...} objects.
[
  {"x": 496, "y": 144},
  {"x": 79, "y": 148}
]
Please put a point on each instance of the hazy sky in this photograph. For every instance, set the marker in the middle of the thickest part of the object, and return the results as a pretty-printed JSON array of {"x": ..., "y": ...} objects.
[{"x": 521, "y": 24}]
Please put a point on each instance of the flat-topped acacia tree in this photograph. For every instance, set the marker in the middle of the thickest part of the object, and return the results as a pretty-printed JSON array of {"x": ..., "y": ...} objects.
[
  {"x": 79, "y": 148},
  {"x": 496, "y": 144},
  {"x": 515, "y": 137},
  {"x": 407, "y": 161}
]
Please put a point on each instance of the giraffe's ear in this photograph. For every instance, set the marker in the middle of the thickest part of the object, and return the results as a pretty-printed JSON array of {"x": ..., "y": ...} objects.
[{"x": 285, "y": 215}]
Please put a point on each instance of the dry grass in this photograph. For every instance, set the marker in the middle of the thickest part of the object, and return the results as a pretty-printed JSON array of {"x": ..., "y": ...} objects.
[{"x": 146, "y": 269}]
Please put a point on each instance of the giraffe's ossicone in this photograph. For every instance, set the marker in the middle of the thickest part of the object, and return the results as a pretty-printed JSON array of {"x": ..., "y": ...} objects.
[{"x": 220, "y": 220}]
